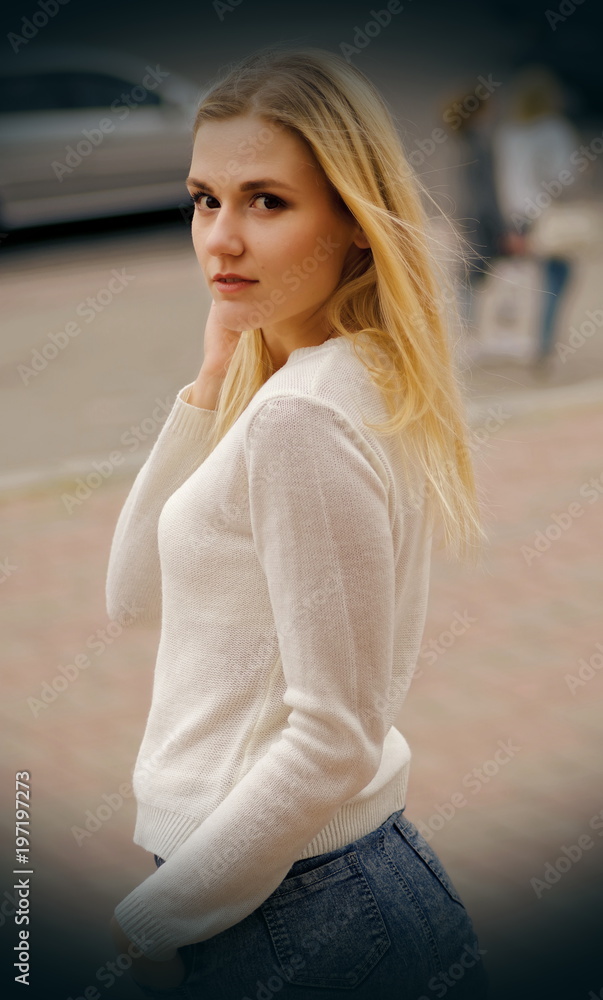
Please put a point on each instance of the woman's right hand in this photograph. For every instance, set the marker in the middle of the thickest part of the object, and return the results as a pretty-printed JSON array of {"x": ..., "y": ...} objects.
[
  {"x": 219, "y": 344},
  {"x": 218, "y": 348}
]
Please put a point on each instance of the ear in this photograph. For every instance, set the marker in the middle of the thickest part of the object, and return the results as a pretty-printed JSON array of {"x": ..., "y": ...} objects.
[{"x": 361, "y": 240}]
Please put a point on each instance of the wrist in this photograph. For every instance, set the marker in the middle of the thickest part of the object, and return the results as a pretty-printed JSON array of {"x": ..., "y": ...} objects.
[{"x": 205, "y": 389}]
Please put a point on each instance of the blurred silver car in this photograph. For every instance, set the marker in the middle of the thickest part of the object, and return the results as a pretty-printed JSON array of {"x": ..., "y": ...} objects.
[{"x": 86, "y": 133}]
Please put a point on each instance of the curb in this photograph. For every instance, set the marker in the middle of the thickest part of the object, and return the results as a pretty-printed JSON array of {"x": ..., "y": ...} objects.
[{"x": 535, "y": 402}]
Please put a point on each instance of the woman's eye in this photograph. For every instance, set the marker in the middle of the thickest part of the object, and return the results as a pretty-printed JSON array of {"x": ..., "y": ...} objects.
[
  {"x": 273, "y": 198},
  {"x": 199, "y": 195}
]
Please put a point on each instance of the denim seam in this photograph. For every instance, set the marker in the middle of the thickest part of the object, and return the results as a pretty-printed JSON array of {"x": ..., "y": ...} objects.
[
  {"x": 437, "y": 870},
  {"x": 414, "y": 902},
  {"x": 347, "y": 861}
]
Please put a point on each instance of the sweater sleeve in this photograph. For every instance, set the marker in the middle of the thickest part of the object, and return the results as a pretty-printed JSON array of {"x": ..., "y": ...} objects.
[
  {"x": 319, "y": 507},
  {"x": 133, "y": 579}
]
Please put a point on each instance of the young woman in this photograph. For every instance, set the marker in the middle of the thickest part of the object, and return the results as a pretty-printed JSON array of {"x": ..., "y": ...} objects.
[{"x": 280, "y": 531}]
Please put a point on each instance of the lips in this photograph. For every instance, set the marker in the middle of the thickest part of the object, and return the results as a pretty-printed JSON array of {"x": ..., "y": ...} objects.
[
  {"x": 231, "y": 278},
  {"x": 232, "y": 284}
]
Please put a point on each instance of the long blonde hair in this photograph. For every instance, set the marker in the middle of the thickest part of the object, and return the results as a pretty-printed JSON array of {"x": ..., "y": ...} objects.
[{"x": 394, "y": 296}]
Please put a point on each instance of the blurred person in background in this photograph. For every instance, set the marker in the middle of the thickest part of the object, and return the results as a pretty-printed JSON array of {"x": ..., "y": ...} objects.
[
  {"x": 535, "y": 149},
  {"x": 482, "y": 229}
]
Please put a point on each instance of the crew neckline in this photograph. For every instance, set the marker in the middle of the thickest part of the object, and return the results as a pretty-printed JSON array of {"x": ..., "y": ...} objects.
[{"x": 313, "y": 347}]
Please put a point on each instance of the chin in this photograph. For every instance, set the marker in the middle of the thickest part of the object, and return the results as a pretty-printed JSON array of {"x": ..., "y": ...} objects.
[
  {"x": 229, "y": 311},
  {"x": 233, "y": 318}
]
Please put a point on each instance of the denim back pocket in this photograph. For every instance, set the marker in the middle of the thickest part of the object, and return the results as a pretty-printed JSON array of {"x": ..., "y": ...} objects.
[
  {"x": 325, "y": 925},
  {"x": 418, "y": 843}
]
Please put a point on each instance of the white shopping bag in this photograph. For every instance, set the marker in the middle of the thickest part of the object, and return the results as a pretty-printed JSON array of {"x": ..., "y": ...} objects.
[{"x": 509, "y": 308}]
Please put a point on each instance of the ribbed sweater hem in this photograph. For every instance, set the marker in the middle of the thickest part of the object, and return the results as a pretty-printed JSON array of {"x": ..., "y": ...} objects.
[
  {"x": 355, "y": 819},
  {"x": 162, "y": 831}
]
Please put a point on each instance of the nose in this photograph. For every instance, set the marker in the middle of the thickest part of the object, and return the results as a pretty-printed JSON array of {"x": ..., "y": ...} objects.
[{"x": 224, "y": 236}]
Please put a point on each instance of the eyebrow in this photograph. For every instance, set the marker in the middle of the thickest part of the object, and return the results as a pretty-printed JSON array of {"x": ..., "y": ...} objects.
[{"x": 246, "y": 186}]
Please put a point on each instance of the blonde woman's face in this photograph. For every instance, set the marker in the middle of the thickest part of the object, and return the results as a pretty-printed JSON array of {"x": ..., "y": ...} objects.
[{"x": 265, "y": 211}]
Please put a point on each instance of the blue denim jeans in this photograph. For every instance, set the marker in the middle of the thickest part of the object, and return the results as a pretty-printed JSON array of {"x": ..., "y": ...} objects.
[
  {"x": 556, "y": 275},
  {"x": 377, "y": 919}
]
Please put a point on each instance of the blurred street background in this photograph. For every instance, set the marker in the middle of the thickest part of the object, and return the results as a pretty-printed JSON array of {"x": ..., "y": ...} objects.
[{"x": 524, "y": 679}]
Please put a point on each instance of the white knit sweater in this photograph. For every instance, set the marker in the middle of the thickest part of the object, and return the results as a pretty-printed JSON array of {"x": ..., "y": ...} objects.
[{"x": 289, "y": 569}]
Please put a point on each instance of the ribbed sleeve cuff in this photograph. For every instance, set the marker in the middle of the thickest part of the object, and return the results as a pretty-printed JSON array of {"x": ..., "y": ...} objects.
[
  {"x": 143, "y": 929},
  {"x": 187, "y": 420}
]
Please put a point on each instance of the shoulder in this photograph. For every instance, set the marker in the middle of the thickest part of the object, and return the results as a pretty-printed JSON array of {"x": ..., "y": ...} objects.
[
  {"x": 303, "y": 427},
  {"x": 327, "y": 386},
  {"x": 329, "y": 383},
  {"x": 315, "y": 418}
]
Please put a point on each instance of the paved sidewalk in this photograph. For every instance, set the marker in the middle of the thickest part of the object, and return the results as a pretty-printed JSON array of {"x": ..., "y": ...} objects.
[{"x": 507, "y": 752}]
